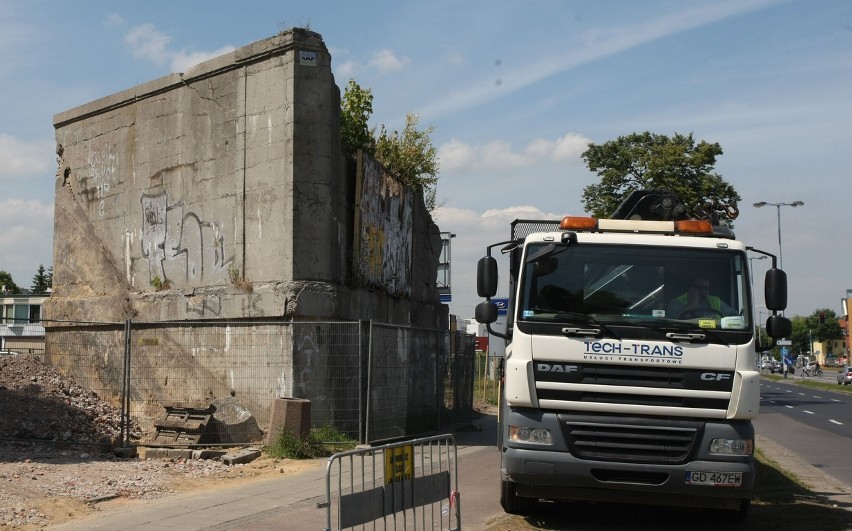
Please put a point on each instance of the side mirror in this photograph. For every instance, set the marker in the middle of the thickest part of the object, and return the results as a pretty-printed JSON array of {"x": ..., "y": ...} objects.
[
  {"x": 486, "y": 277},
  {"x": 778, "y": 326},
  {"x": 775, "y": 290},
  {"x": 486, "y": 312}
]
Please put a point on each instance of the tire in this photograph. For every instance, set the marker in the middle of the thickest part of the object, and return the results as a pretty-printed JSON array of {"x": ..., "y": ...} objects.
[{"x": 512, "y": 503}]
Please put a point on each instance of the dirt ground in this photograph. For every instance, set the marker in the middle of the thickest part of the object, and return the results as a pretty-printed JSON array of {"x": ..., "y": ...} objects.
[{"x": 47, "y": 483}]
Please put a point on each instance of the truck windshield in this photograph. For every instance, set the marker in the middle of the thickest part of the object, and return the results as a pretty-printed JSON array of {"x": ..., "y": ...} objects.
[{"x": 625, "y": 284}]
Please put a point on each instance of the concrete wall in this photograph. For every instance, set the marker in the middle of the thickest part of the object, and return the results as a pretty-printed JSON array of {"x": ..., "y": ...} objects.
[{"x": 222, "y": 193}]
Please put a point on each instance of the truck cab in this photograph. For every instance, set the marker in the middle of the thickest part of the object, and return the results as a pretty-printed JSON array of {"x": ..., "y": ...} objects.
[{"x": 631, "y": 369}]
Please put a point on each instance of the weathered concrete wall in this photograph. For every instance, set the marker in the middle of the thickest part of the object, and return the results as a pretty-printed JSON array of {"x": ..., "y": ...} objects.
[{"x": 221, "y": 192}]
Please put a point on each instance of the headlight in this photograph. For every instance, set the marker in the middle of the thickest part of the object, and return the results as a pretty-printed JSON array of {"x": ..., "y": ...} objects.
[
  {"x": 530, "y": 435},
  {"x": 732, "y": 446}
]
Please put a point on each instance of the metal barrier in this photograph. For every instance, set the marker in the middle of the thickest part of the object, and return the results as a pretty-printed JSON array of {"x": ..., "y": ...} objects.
[{"x": 403, "y": 485}]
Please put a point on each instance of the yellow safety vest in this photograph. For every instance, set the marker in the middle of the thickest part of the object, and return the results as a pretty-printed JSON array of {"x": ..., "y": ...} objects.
[{"x": 715, "y": 302}]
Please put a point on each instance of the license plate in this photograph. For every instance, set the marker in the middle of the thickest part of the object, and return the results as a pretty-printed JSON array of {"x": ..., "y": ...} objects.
[{"x": 715, "y": 479}]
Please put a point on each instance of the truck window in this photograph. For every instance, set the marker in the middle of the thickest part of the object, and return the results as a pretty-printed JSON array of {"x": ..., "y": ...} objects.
[{"x": 623, "y": 284}]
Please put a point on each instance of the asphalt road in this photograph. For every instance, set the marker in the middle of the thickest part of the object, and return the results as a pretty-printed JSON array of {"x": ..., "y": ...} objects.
[{"x": 816, "y": 425}]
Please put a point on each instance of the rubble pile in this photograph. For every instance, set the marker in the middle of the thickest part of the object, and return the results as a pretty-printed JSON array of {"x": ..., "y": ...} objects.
[{"x": 38, "y": 403}]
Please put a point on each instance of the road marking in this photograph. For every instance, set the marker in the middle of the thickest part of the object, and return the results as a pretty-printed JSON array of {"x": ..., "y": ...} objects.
[
  {"x": 789, "y": 407},
  {"x": 808, "y": 412},
  {"x": 835, "y": 422}
]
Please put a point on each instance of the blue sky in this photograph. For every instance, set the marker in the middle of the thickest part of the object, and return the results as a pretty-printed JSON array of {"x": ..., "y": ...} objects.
[{"x": 514, "y": 90}]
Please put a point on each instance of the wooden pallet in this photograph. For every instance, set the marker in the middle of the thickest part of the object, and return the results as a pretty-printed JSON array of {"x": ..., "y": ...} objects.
[{"x": 183, "y": 424}]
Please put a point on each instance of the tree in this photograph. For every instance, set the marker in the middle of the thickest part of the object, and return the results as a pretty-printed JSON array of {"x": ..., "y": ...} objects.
[
  {"x": 807, "y": 329},
  {"x": 356, "y": 107},
  {"x": 647, "y": 161},
  {"x": 41, "y": 281},
  {"x": 409, "y": 155},
  {"x": 7, "y": 285}
]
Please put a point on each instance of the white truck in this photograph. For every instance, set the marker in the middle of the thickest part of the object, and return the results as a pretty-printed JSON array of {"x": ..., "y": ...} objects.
[{"x": 625, "y": 378}]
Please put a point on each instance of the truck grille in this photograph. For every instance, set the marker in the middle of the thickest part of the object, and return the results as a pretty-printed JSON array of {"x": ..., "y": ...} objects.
[
  {"x": 635, "y": 440},
  {"x": 606, "y": 378}
]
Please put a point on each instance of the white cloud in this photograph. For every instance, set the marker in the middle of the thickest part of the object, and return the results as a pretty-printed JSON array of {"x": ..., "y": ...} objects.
[
  {"x": 114, "y": 20},
  {"x": 498, "y": 154},
  {"x": 386, "y": 61},
  {"x": 18, "y": 158},
  {"x": 455, "y": 58},
  {"x": 569, "y": 147},
  {"x": 346, "y": 70},
  {"x": 182, "y": 60},
  {"x": 148, "y": 43}
]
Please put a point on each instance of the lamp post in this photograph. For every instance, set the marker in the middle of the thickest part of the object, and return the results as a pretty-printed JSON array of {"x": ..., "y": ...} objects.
[{"x": 778, "y": 208}]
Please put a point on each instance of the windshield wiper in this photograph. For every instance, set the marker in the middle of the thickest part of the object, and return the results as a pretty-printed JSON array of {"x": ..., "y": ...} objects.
[
  {"x": 675, "y": 330},
  {"x": 601, "y": 329}
]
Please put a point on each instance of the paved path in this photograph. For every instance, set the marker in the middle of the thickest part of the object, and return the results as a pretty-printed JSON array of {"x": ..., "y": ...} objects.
[{"x": 290, "y": 502}]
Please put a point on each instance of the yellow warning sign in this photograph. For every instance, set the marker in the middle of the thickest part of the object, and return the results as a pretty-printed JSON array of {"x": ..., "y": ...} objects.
[{"x": 399, "y": 463}]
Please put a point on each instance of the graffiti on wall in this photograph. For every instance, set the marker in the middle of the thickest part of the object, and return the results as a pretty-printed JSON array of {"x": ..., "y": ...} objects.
[
  {"x": 101, "y": 177},
  {"x": 386, "y": 232},
  {"x": 180, "y": 246}
]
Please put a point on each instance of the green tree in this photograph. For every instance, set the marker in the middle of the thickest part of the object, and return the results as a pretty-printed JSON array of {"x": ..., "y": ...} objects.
[
  {"x": 41, "y": 281},
  {"x": 356, "y": 107},
  {"x": 8, "y": 285},
  {"x": 647, "y": 161},
  {"x": 411, "y": 156},
  {"x": 808, "y": 328}
]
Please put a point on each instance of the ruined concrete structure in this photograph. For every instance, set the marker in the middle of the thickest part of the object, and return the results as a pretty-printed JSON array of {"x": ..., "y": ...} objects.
[{"x": 222, "y": 193}]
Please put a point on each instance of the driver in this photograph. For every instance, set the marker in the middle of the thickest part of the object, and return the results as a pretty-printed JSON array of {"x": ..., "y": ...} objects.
[{"x": 697, "y": 302}]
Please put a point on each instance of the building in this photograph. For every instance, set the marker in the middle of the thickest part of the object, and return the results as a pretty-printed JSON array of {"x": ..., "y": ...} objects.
[{"x": 20, "y": 323}]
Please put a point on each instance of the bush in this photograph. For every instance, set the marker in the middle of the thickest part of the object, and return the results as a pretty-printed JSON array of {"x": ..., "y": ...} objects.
[{"x": 320, "y": 442}]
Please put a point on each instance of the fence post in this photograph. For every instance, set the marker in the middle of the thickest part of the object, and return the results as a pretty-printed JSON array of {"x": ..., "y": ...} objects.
[
  {"x": 369, "y": 381},
  {"x": 125, "y": 387}
]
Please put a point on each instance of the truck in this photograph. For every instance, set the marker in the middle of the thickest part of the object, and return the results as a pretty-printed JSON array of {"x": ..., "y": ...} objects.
[{"x": 616, "y": 384}]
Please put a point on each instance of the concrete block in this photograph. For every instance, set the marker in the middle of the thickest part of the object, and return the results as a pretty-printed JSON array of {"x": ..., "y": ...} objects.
[
  {"x": 292, "y": 414},
  {"x": 243, "y": 456},
  {"x": 125, "y": 451}
]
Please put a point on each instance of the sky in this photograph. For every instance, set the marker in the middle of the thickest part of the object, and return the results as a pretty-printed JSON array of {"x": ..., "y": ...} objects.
[{"x": 514, "y": 92}]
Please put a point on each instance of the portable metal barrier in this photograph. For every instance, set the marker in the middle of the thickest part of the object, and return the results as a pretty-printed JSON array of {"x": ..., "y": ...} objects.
[{"x": 404, "y": 485}]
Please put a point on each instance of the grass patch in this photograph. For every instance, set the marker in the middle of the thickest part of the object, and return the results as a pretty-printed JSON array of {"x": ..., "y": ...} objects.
[{"x": 320, "y": 442}]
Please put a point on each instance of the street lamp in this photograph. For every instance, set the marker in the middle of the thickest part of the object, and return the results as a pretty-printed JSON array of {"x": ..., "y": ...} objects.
[{"x": 778, "y": 207}]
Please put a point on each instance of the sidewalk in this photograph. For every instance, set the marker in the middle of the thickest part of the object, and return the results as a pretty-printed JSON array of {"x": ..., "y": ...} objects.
[
  {"x": 290, "y": 502},
  {"x": 286, "y": 502}
]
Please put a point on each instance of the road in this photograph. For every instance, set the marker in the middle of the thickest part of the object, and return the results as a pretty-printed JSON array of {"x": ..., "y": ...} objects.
[{"x": 816, "y": 425}]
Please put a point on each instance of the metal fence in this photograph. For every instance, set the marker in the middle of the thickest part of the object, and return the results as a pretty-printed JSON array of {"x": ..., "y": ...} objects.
[
  {"x": 372, "y": 382},
  {"x": 405, "y": 485}
]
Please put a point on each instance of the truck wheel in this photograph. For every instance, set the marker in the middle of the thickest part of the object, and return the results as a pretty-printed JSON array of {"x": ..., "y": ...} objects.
[{"x": 512, "y": 503}]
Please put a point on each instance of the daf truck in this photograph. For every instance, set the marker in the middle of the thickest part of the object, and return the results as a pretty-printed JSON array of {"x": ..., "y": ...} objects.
[{"x": 631, "y": 367}]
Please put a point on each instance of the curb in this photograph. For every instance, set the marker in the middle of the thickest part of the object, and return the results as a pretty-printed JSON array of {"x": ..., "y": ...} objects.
[{"x": 824, "y": 486}]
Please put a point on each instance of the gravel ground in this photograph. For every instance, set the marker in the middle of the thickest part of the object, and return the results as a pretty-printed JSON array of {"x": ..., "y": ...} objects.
[{"x": 60, "y": 479}]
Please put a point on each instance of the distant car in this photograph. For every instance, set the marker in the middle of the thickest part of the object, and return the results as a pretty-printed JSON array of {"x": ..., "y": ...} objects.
[{"x": 844, "y": 376}]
